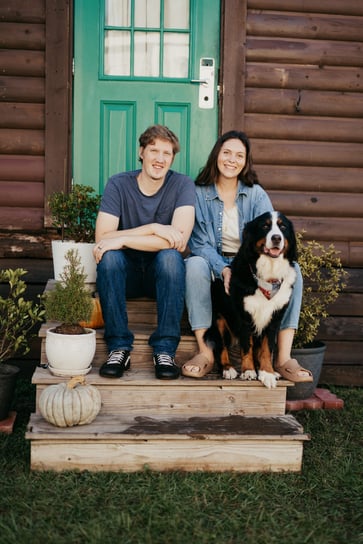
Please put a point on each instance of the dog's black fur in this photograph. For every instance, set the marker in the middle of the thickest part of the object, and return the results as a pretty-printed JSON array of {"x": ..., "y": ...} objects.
[{"x": 248, "y": 314}]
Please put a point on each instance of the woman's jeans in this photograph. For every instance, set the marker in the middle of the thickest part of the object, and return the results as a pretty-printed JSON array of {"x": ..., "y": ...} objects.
[
  {"x": 198, "y": 295},
  {"x": 123, "y": 274}
]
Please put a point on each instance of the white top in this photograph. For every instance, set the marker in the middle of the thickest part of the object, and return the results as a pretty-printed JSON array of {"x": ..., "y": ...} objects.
[{"x": 230, "y": 234}]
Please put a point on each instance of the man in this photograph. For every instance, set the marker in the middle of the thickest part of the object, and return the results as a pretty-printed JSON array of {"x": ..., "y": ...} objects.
[{"x": 142, "y": 229}]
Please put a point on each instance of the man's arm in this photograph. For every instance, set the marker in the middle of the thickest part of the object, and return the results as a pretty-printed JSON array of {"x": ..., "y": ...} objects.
[{"x": 151, "y": 237}]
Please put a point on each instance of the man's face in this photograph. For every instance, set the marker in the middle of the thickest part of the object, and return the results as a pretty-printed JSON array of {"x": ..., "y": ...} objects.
[{"x": 157, "y": 158}]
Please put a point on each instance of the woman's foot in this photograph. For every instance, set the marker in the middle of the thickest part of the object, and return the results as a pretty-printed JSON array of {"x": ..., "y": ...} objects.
[
  {"x": 197, "y": 367},
  {"x": 292, "y": 371}
]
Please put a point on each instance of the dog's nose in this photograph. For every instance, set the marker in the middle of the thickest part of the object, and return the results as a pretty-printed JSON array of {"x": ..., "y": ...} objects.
[{"x": 276, "y": 238}]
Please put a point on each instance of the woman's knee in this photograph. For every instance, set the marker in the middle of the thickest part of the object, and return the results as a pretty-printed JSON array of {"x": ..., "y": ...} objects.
[{"x": 196, "y": 268}]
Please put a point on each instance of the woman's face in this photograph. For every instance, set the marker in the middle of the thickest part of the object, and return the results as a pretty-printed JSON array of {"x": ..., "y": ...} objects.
[{"x": 231, "y": 158}]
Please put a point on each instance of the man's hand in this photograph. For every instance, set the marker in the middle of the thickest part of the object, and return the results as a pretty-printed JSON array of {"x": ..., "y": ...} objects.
[{"x": 172, "y": 235}]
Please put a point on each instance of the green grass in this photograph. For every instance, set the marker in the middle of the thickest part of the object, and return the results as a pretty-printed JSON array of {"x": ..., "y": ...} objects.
[{"x": 321, "y": 505}]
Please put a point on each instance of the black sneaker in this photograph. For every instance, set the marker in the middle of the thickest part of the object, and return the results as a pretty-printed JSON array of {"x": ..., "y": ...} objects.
[
  {"x": 165, "y": 367},
  {"x": 118, "y": 361}
]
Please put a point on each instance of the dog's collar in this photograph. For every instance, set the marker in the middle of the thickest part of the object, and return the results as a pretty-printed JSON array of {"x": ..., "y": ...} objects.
[{"x": 268, "y": 288}]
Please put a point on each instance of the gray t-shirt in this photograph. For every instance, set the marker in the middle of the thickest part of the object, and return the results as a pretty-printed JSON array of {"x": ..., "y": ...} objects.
[{"x": 123, "y": 198}]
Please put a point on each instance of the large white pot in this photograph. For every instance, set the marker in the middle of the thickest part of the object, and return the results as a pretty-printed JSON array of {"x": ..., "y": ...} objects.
[
  {"x": 85, "y": 252},
  {"x": 70, "y": 354}
]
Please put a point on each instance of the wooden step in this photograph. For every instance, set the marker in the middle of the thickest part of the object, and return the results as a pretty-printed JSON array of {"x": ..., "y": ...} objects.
[
  {"x": 132, "y": 443},
  {"x": 207, "y": 424},
  {"x": 138, "y": 392}
]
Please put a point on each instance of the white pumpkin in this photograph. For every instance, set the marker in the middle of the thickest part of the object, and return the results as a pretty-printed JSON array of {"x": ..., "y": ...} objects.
[{"x": 72, "y": 403}]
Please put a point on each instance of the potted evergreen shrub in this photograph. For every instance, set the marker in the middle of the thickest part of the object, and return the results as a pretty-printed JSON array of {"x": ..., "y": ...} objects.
[
  {"x": 70, "y": 347},
  {"x": 324, "y": 279},
  {"x": 17, "y": 319},
  {"x": 74, "y": 215}
]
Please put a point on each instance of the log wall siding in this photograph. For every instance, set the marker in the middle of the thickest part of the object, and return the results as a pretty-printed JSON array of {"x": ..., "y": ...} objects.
[
  {"x": 303, "y": 109},
  {"x": 22, "y": 114},
  {"x": 292, "y": 73}
]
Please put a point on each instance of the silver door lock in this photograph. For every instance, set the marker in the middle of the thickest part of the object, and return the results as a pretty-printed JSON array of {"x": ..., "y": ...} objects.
[{"x": 206, "y": 83}]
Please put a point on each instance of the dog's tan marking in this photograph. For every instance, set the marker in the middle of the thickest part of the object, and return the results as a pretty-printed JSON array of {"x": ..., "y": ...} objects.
[{"x": 265, "y": 357}]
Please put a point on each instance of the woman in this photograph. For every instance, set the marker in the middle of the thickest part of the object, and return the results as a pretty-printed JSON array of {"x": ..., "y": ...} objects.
[{"x": 228, "y": 196}]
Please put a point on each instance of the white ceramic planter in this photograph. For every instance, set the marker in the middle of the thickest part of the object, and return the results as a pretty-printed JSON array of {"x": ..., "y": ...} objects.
[
  {"x": 85, "y": 251},
  {"x": 70, "y": 354}
]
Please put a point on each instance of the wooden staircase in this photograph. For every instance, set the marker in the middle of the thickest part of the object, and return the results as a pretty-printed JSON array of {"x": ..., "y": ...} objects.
[{"x": 186, "y": 424}]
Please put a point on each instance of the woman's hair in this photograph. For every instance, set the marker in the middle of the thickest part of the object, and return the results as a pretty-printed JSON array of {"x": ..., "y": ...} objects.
[
  {"x": 161, "y": 132},
  {"x": 209, "y": 173}
]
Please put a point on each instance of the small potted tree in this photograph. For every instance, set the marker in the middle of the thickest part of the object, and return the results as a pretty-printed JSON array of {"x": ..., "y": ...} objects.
[
  {"x": 70, "y": 347},
  {"x": 17, "y": 319},
  {"x": 74, "y": 215},
  {"x": 324, "y": 279}
]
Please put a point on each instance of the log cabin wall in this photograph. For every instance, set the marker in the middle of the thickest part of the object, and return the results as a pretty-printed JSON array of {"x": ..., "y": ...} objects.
[
  {"x": 35, "y": 128},
  {"x": 293, "y": 80}
]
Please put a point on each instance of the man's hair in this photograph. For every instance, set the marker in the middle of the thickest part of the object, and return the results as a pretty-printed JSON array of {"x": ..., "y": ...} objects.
[{"x": 161, "y": 132}]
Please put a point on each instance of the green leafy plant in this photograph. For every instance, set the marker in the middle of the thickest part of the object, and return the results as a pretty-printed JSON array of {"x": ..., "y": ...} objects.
[
  {"x": 70, "y": 301},
  {"x": 324, "y": 279},
  {"x": 17, "y": 315},
  {"x": 74, "y": 213}
]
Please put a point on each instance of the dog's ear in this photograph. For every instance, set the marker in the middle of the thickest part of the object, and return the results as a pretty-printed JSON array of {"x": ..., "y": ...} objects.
[
  {"x": 292, "y": 254},
  {"x": 248, "y": 242}
]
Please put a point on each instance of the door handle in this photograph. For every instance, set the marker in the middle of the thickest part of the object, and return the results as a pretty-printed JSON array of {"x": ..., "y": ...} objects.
[
  {"x": 206, "y": 83},
  {"x": 201, "y": 81}
]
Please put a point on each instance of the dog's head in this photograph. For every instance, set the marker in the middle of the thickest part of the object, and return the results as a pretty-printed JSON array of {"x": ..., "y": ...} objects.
[{"x": 271, "y": 234}]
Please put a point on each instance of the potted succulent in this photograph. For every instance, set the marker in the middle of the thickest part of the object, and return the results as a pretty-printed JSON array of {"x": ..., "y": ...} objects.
[
  {"x": 69, "y": 346},
  {"x": 17, "y": 319},
  {"x": 324, "y": 279},
  {"x": 74, "y": 215}
]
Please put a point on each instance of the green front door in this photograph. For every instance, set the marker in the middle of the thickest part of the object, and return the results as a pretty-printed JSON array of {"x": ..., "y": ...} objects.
[{"x": 140, "y": 62}]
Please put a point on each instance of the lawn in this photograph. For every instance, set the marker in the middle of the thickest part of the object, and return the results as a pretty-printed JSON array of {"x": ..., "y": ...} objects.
[{"x": 321, "y": 505}]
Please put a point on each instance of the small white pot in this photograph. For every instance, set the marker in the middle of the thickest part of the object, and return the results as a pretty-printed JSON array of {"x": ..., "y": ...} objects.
[
  {"x": 85, "y": 252},
  {"x": 70, "y": 354}
]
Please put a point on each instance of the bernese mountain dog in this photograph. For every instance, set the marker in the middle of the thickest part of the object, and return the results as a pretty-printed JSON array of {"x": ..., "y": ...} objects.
[{"x": 261, "y": 284}]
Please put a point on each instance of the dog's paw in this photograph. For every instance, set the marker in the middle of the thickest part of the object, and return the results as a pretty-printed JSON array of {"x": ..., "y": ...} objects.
[
  {"x": 268, "y": 379},
  {"x": 230, "y": 373},
  {"x": 249, "y": 375}
]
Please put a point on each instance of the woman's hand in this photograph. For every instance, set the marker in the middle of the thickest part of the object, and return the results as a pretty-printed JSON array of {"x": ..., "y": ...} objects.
[{"x": 226, "y": 275}]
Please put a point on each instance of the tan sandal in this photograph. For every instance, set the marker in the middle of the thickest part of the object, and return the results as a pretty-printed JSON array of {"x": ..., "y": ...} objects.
[
  {"x": 290, "y": 371},
  {"x": 203, "y": 364}
]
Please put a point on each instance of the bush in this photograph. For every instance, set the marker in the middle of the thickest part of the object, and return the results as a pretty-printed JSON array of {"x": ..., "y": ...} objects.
[
  {"x": 324, "y": 279},
  {"x": 17, "y": 315},
  {"x": 74, "y": 213},
  {"x": 70, "y": 301}
]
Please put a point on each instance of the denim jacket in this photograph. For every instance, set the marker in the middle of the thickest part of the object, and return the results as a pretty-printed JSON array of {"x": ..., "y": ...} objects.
[{"x": 206, "y": 238}]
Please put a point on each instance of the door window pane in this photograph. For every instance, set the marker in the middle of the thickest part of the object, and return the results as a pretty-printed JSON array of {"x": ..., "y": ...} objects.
[
  {"x": 176, "y": 55},
  {"x": 117, "y": 13},
  {"x": 176, "y": 13},
  {"x": 147, "y": 13},
  {"x": 117, "y": 53},
  {"x": 147, "y": 50}
]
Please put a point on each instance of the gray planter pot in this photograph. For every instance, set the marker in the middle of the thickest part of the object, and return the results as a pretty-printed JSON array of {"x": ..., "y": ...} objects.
[
  {"x": 312, "y": 359},
  {"x": 8, "y": 376}
]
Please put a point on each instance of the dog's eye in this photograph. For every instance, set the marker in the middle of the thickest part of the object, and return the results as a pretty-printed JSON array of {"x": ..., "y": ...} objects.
[
  {"x": 283, "y": 227},
  {"x": 266, "y": 227}
]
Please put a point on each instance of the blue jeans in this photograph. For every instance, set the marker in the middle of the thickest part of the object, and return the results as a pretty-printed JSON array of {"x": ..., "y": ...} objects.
[
  {"x": 198, "y": 297},
  {"x": 123, "y": 274}
]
